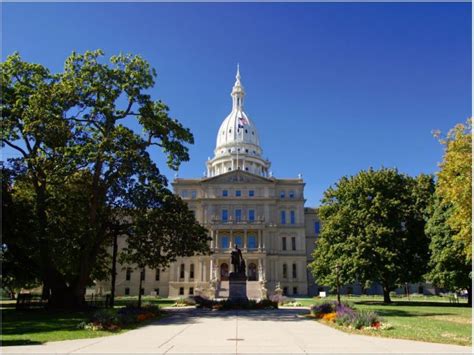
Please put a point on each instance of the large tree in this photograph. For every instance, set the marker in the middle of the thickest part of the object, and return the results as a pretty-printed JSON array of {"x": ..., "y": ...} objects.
[
  {"x": 89, "y": 128},
  {"x": 447, "y": 268},
  {"x": 454, "y": 185},
  {"x": 373, "y": 230}
]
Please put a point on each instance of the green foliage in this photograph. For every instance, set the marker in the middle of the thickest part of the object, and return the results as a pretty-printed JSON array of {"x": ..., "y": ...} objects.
[
  {"x": 446, "y": 268},
  {"x": 81, "y": 170},
  {"x": 373, "y": 230},
  {"x": 454, "y": 185}
]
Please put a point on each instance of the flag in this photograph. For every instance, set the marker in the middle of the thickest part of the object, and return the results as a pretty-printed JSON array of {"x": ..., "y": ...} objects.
[{"x": 243, "y": 121}]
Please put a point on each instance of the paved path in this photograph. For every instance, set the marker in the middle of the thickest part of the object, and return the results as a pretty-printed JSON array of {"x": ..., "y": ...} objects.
[{"x": 199, "y": 331}]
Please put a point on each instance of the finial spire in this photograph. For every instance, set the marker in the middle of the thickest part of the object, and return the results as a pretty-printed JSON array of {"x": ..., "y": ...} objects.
[
  {"x": 237, "y": 91},
  {"x": 237, "y": 76}
]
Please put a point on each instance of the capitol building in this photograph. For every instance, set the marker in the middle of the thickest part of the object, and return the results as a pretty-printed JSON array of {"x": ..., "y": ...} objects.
[{"x": 241, "y": 203}]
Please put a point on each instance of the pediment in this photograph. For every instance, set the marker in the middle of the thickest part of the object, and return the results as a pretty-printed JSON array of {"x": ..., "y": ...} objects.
[{"x": 238, "y": 177}]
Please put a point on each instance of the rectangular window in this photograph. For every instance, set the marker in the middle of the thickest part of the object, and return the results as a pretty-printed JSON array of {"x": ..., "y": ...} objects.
[
  {"x": 282, "y": 194},
  {"x": 142, "y": 291},
  {"x": 127, "y": 291},
  {"x": 193, "y": 194},
  {"x": 157, "y": 275},
  {"x": 293, "y": 243},
  {"x": 238, "y": 215},
  {"x": 251, "y": 193},
  {"x": 184, "y": 193},
  {"x": 316, "y": 228},
  {"x": 224, "y": 242},
  {"x": 285, "y": 291},
  {"x": 191, "y": 271},
  {"x": 283, "y": 243},
  {"x": 293, "y": 271},
  {"x": 238, "y": 241},
  {"x": 292, "y": 217},
  {"x": 181, "y": 271},
  {"x": 251, "y": 215},
  {"x": 142, "y": 275},
  {"x": 238, "y": 193},
  {"x": 191, "y": 290},
  {"x": 225, "y": 215},
  {"x": 285, "y": 271},
  {"x": 295, "y": 290},
  {"x": 225, "y": 193},
  {"x": 291, "y": 194},
  {"x": 157, "y": 290},
  {"x": 251, "y": 242},
  {"x": 283, "y": 217},
  {"x": 128, "y": 275},
  {"x": 181, "y": 291}
]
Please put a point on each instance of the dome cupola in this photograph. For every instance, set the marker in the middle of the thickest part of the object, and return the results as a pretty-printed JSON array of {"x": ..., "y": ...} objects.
[{"x": 237, "y": 143}]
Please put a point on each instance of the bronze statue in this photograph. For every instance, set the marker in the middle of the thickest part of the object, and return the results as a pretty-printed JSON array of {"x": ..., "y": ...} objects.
[{"x": 238, "y": 262}]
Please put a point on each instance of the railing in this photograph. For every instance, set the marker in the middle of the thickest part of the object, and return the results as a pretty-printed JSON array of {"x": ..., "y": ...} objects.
[{"x": 230, "y": 221}]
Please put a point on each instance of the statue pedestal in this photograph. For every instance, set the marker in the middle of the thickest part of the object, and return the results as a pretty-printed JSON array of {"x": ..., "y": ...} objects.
[{"x": 237, "y": 286}]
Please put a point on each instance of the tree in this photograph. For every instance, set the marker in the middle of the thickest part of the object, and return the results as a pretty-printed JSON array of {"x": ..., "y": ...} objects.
[
  {"x": 454, "y": 185},
  {"x": 446, "y": 268},
  {"x": 72, "y": 131},
  {"x": 373, "y": 230},
  {"x": 163, "y": 229}
]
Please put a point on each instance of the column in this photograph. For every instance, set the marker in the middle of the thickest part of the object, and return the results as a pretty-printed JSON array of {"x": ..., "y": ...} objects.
[
  {"x": 211, "y": 268},
  {"x": 216, "y": 242},
  {"x": 212, "y": 240},
  {"x": 231, "y": 237},
  {"x": 245, "y": 239},
  {"x": 260, "y": 270}
]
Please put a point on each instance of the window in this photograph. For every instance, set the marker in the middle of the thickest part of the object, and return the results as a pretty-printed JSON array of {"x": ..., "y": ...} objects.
[
  {"x": 282, "y": 194},
  {"x": 157, "y": 290},
  {"x": 184, "y": 193},
  {"x": 285, "y": 271},
  {"x": 283, "y": 217},
  {"x": 238, "y": 193},
  {"x": 285, "y": 291},
  {"x": 251, "y": 215},
  {"x": 191, "y": 271},
  {"x": 181, "y": 271},
  {"x": 157, "y": 275},
  {"x": 127, "y": 291},
  {"x": 181, "y": 291},
  {"x": 238, "y": 241},
  {"x": 293, "y": 243},
  {"x": 293, "y": 271},
  {"x": 295, "y": 290},
  {"x": 283, "y": 243},
  {"x": 142, "y": 275},
  {"x": 142, "y": 291},
  {"x": 317, "y": 228},
  {"x": 128, "y": 275},
  {"x": 225, "y": 193},
  {"x": 251, "y": 193},
  {"x": 291, "y": 194},
  {"x": 292, "y": 217},
  {"x": 420, "y": 290},
  {"x": 251, "y": 242},
  {"x": 238, "y": 215},
  {"x": 193, "y": 194},
  {"x": 191, "y": 290},
  {"x": 224, "y": 242},
  {"x": 225, "y": 215}
]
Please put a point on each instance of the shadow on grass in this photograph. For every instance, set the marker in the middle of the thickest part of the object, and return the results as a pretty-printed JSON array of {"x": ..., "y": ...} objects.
[
  {"x": 19, "y": 342},
  {"x": 412, "y": 303}
]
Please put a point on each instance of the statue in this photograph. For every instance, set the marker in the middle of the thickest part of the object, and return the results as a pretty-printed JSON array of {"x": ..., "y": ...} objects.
[{"x": 238, "y": 262}]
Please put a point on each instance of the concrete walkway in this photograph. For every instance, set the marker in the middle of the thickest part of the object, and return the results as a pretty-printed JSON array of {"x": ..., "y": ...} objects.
[{"x": 200, "y": 331}]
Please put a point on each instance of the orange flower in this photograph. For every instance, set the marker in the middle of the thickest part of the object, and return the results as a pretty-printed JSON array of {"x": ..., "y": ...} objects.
[{"x": 330, "y": 317}]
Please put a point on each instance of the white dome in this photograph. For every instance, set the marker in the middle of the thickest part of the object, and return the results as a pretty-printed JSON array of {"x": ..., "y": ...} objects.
[
  {"x": 237, "y": 128},
  {"x": 237, "y": 143}
]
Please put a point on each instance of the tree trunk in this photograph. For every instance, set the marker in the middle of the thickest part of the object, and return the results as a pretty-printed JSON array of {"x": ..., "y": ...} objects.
[
  {"x": 386, "y": 295},
  {"x": 114, "y": 271},
  {"x": 140, "y": 292},
  {"x": 469, "y": 296}
]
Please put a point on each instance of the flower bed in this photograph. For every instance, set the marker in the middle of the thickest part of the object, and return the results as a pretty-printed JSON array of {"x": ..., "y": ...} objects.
[
  {"x": 345, "y": 315},
  {"x": 114, "y": 320},
  {"x": 202, "y": 302}
]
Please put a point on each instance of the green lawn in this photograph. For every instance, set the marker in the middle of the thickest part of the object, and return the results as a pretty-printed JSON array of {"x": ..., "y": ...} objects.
[
  {"x": 432, "y": 319},
  {"x": 36, "y": 326}
]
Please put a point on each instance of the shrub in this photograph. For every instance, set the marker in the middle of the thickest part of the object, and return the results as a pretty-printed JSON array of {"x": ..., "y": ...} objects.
[
  {"x": 365, "y": 319},
  {"x": 323, "y": 308}
]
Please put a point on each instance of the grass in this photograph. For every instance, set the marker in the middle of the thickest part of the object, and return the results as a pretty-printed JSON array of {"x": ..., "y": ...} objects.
[
  {"x": 432, "y": 319},
  {"x": 37, "y": 326}
]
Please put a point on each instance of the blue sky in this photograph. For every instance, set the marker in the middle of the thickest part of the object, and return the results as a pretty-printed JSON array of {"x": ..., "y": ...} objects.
[{"x": 333, "y": 88}]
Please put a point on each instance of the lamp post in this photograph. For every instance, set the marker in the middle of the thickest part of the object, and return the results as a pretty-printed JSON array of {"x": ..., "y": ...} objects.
[{"x": 338, "y": 290}]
